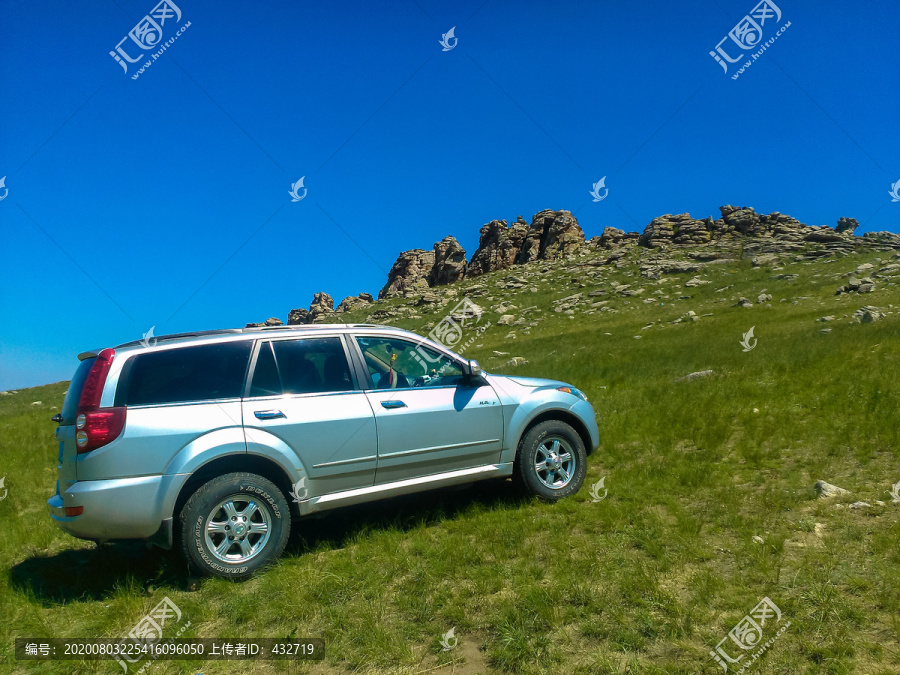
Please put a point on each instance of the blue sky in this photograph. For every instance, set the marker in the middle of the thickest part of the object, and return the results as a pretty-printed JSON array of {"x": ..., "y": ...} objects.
[{"x": 163, "y": 200}]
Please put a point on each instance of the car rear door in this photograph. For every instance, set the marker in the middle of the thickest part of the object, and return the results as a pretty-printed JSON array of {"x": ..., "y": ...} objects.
[
  {"x": 430, "y": 418},
  {"x": 303, "y": 394}
]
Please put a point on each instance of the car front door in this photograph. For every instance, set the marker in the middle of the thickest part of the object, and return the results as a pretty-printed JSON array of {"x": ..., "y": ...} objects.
[
  {"x": 430, "y": 418},
  {"x": 303, "y": 394}
]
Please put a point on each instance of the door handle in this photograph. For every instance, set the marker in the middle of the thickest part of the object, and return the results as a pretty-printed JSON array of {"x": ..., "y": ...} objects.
[
  {"x": 268, "y": 414},
  {"x": 393, "y": 405}
]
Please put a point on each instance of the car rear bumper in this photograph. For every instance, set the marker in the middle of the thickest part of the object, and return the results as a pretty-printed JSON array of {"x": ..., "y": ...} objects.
[{"x": 124, "y": 508}]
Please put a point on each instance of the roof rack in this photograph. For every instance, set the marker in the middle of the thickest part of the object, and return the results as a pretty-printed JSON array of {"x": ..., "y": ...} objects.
[
  {"x": 252, "y": 329},
  {"x": 178, "y": 336},
  {"x": 307, "y": 326}
]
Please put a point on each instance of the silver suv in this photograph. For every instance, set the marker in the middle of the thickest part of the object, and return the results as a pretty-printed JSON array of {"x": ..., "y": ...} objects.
[{"x": 217, "y": 441}]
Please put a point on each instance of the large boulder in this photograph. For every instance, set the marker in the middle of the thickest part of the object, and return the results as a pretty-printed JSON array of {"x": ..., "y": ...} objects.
[
  {"x": 847, "y": 225},
  {"x": 409, "y": 273},
  {"x": 552, "y": 235},
  {"x": 498, "y": 246},
  {"x": 449, "y": 263}
]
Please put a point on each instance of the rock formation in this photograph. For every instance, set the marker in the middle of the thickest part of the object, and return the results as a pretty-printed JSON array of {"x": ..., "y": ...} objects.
[
  {"x": 449, "y": 263},
  {"x": 352, "y": 302},
  {"x": 409, "y": 273},
  {"x": 498, "y": 246},
  {"x": 551, "y": 235},
  {"x": 555, "y": 235}
]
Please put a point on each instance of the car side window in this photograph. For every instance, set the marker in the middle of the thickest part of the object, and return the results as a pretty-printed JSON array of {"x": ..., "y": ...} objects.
[
  {"x": 185, "y": 374},
  {"x": 305, "y": 366},
  {"x": 400, "y": 364},
  {"x": 266, "y": 381}
]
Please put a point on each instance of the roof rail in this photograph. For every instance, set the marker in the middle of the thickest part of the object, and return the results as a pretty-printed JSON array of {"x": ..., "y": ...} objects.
[
  {"x": 251, "y": 329},
  {"x": 177, "y": 336}
]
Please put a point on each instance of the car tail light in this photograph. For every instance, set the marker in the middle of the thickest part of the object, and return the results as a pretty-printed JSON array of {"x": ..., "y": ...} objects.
[
  {"x": 74, "y": 510},
  {"x": 96, "y": 426}
]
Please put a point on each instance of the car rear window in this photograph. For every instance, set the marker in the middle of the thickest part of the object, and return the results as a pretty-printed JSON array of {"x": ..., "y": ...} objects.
[
  {"x": 185, "y": 374},
  {"x": 70, "y": 403}
]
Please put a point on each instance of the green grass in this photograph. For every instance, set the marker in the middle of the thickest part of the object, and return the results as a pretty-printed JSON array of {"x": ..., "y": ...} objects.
[{"x": 648, "y": 580}]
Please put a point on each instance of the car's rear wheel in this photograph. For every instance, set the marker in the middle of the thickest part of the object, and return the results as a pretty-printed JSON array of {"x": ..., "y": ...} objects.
[
  {"x": 234, "y": 525},
  {"x": 551, "y": 461}
]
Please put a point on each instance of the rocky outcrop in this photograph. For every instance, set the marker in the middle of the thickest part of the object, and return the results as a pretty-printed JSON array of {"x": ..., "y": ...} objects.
[
  {"x": 321, "y": 307},
  {"x": 498, "y": 246},
  {"x": 741, "y": 232},
  {"x": 847, "y": 225},
  {"x": 449, "y": 263},
  {"x": 773, "y": 232},
  {"x": 272, "y": 321},
  {"x": 298, "y": 316},
  {"x": 320, "y": 310},
  {"x": 552, "y": 235},
  {"x": 409, "y": 273},
  {"x": 352, "y": 302}
]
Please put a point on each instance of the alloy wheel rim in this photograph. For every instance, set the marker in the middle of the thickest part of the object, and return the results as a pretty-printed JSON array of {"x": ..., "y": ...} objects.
[
  {"x": 554, "y": 462},
  {"x": 237, "y": 529}
]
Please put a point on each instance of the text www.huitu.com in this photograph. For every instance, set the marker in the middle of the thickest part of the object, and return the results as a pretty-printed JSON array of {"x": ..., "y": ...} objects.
[
  {"x": 157, "y": 54},
  {"x": 759, "y": 53}
]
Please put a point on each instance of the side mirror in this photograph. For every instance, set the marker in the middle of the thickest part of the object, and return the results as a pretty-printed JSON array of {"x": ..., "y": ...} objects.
[{"x": 474, "y": 369}]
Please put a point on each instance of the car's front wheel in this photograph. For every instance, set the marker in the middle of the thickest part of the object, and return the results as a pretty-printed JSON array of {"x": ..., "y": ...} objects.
[
  {"x": 234, "y": 525},
  {"x": 551, "y": 461}
]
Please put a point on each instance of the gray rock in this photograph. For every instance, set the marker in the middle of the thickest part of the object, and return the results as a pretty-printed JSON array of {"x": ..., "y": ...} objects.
[
  {"x": 696, "y": 376},
  {"x": 827, "y": 490},
  {"x": 506, "y": 320}
]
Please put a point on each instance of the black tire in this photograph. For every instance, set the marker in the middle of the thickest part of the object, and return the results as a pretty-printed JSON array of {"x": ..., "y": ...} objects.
[
  {"x": 219, "y": 538},
  {"x": 569, "y": 459}
]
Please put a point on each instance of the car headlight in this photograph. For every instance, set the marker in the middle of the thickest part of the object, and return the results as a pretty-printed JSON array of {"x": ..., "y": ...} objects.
[{"x": 572, "y": 390}]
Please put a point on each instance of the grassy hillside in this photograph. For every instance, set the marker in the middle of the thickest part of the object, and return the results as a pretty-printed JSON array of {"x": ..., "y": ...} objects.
[{"x": 709, "y": 502}]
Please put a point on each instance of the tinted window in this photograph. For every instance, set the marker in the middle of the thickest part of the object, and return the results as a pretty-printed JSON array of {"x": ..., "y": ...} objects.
[
  {"x": 312, "y": 366},
  {"x": 70, "y": 403},
  {"x": 265, "y": 375},
  {"x": 399, "y": 364},
  {"x": 185, "y": 374}
]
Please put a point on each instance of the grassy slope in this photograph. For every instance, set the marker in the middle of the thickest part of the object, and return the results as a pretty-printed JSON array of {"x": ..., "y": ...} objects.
[{"x": 647, "y": 580}]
